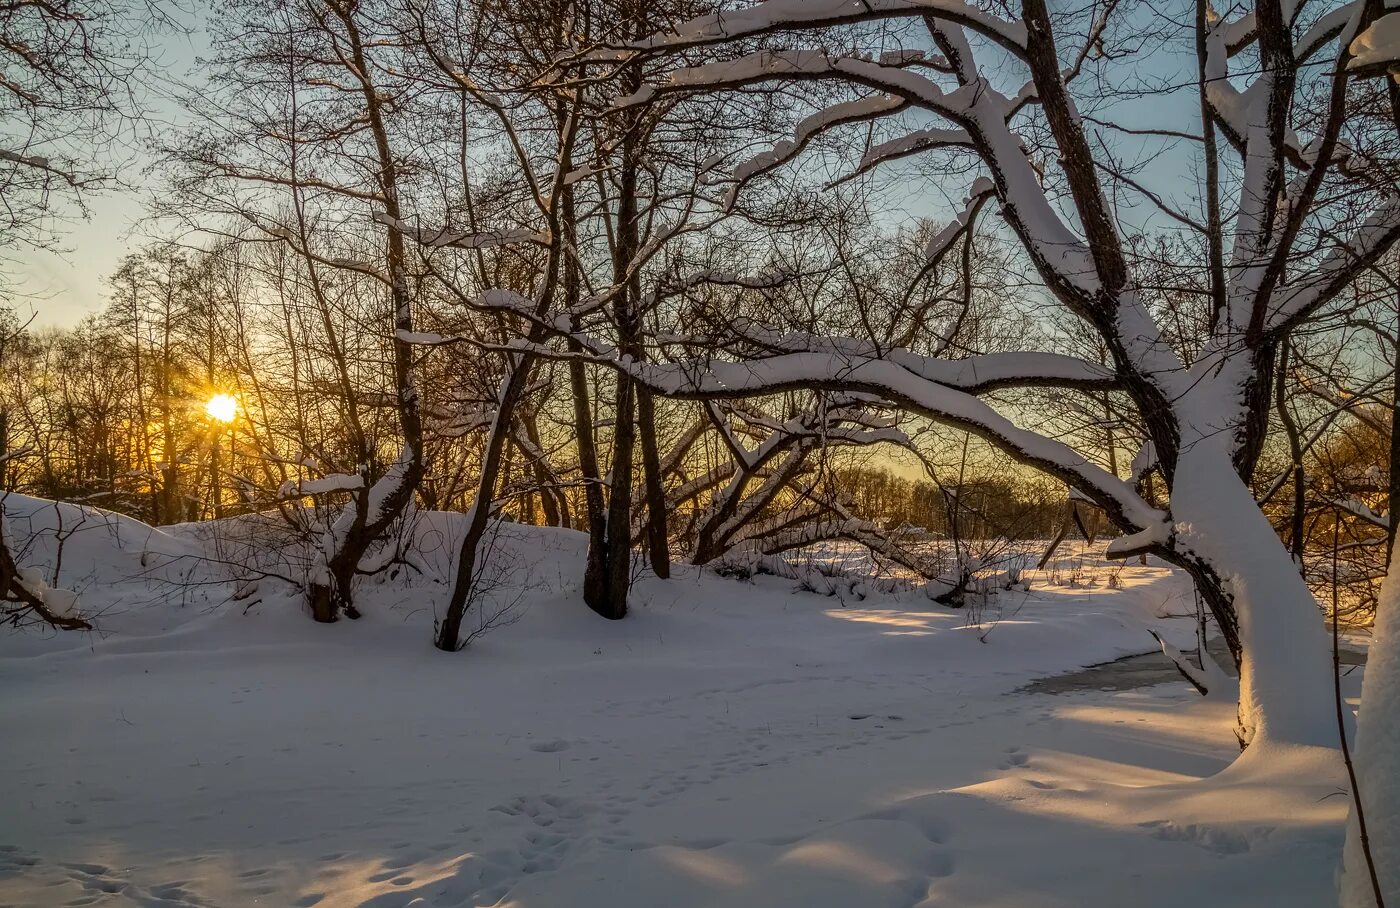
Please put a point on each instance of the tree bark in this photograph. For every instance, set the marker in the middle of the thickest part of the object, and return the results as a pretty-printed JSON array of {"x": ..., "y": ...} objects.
[
  {"x": 1393, "y": 479},
  {"x": 657, "y": 534},
  {"x": 618, "y": 530},
  {"x": 376, "y": 507},
  {"x": 1298, "y": 516},
  {"x": 617, "y": 575},
  {"x": 449, "y": 631},
  {"x": 595, "y": 505},
  {"x": 13, "y": 591},
  {"x": 549, "y": 504}
]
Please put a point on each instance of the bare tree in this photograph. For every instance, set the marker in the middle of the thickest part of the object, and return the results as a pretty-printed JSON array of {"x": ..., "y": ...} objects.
[
  {"x": 1205, "y": 415},
  {"x": 69, "y": 93},
  {"x": 318, "y": 107}
]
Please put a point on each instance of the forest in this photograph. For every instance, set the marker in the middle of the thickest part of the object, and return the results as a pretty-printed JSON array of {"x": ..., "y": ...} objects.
[{"x": 490, "y": 397}]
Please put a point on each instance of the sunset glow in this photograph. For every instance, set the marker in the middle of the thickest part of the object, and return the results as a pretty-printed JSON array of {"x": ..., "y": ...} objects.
[{"x": 222, "y": 408}]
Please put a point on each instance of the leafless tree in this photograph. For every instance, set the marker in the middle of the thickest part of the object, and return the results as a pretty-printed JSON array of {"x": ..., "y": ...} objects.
[
  {"x": 1298, "y": 180},
  {"x": 300, "y": 147}
]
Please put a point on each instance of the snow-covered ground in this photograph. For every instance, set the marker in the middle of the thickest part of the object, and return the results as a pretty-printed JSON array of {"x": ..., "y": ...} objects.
[{"x": 729, "y": 744}]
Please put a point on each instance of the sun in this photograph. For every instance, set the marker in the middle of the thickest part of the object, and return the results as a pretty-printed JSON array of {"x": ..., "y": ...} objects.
[{"x": 222, "y": 408}]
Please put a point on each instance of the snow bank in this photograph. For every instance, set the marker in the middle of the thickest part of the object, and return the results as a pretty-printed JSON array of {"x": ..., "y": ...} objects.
[
  {"x": 86, "y": 545},
  {"x": 729, "y": 744}
]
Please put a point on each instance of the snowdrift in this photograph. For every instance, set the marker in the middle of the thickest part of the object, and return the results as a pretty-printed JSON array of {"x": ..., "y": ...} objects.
[
  {"x": 77, "y": 546},
  {"x": 731, "y": 744}
]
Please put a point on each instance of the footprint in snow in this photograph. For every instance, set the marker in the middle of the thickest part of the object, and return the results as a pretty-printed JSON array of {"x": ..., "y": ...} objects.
[{"x": 1015, "y": 758}]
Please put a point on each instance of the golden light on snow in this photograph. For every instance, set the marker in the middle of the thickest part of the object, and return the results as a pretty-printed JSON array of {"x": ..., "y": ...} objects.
[{"x": 222, "y": 408}]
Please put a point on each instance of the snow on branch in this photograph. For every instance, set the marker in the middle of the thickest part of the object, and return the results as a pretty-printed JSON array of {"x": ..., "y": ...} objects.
[
  {"x": 1364, "y": 247},
  {"x": 1328, "y": 26},
  {"x": 1360, "y": 510},
  {"x": 38, "y": 162},
  {"x": 974, "y": 107},
  {"x": 24, "y": 590},
  {"x": 332, "y": 482},
  {"x": 1207, "y": 678},
  {"x": 808, "y": 129},
  {"x": 941, "y": 242},
  {"x": 709, "y": 378},
  {"x": 813, "y": 63},
  {"x": 909, "y": 145},
  {"x": 1378, "y": 45},
  {"x": 974, "y": 374},
  {"x": 789, "y": 15}
]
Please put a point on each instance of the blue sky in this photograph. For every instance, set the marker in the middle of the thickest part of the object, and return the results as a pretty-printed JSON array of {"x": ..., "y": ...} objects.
[
  {"x": 63, "y": 286},
  {"x": 66, "y": 283}
]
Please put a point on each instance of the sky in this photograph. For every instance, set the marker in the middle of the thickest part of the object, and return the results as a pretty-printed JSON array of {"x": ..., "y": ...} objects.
[{"x": 61, "y": 286}]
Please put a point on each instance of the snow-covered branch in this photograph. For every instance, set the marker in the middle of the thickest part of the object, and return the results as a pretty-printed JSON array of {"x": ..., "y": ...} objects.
[
  {"x": 792, "y": 15},
  {"x": 710, "y": 378}
]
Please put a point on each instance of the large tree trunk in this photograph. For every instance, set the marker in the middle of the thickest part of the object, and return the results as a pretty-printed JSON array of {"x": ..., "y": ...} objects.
[
  {"x": 618, "y": 534},
  {"x": 331, "y": 595},
  {"x": 1393, "y": 476},
  {"x": 4, "y": 450},
  {"x": 617, "y": 574},
  {"x": 1243, "y": 567},
  {"x": 595, "y": 516},
  {"x": 595, "y": 506}
]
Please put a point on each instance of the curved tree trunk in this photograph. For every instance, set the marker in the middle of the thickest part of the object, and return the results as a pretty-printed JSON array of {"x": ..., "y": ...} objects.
[
  {"x": 449, "y": 632},
  {"x": 1229, "y": 546}
]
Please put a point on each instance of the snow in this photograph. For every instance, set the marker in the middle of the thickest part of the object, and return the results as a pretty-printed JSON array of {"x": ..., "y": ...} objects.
[
  {"x": 1376, "y": 754},
  {"x": 910, "y": 144},
  {"x": 941, "y": 241},
  {"x": 333, "y": 482},
  {"x": 581, "y": 173},
  {"x": 1286, "y": 684},
  {"x": 809, "y": 128},
  {"x": 730, "y": 744},
  {"x": 782, "y": 14},
  {"x": 1132, "y": 543},
  {"x": 1379, "y": 44},
  {"x": 423, "y": 338},
  {"x": 100, "y": 547}
]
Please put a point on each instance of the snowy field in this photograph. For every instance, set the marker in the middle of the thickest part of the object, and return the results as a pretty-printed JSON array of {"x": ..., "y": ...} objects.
[{"x": 730, "y": 743}]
